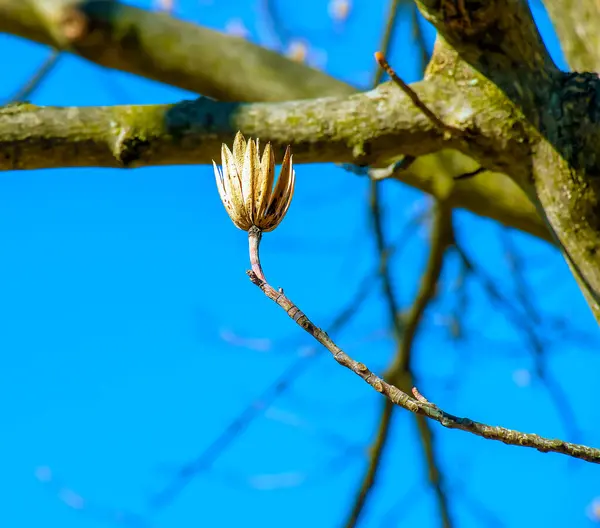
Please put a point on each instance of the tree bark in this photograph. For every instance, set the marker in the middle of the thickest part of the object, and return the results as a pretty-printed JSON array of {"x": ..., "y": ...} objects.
[
  {"x": 159, "y": 47},
  {"x": 497, "y": 43},
  {"x": 490, "y": 79},
  {"x": 162, "y": 48},
  {"x": 576, "y": 23}
]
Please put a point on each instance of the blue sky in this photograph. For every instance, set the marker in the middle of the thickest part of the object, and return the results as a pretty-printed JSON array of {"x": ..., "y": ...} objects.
[{"x": 131, "y": 336}]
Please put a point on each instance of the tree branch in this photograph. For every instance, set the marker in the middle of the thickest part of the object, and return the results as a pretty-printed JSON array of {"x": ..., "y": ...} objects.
[
  {"x": 157, "y": 46},
  {"x": 363, "y": 129},
  {"x": 27, "y": 90},
  {"x": 496, "y": 43},
  {"x": 393, "y": 308},
  {"x": 232, "y": 432},
  {"x": 576, "y": 23},
  {"x": 418, "y": 404}
]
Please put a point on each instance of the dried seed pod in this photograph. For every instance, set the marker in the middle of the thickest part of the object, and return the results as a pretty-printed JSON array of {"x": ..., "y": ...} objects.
[{"x": 245, "y": 184}]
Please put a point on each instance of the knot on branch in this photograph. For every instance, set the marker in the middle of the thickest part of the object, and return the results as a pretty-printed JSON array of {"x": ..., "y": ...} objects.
[
  {"x": 88, "y": 22},
  {"x": 73, "y": 24}
]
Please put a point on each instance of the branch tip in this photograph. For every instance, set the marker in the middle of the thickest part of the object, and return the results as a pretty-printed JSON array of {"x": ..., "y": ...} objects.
[
  {"x": 416, "y": 405},
  {"x": 447, "y": 130}
]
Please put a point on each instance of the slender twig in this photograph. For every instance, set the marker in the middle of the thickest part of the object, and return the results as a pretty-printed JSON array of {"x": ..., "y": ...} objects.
[
  {"x": 388, "y": 36},
  {"x": 525, "y": 323},
  {"x": 376, "y": 452},
  {"x": 402, "y": 399},
  {"x": 254, "y": 245},
  {"x": 434, "y": 474},
  {"x": 438, "y": 123},
  {"x": 207, "y": 457},
  {"x": 243, "y": 420},
  {"x": 418, "y": 396},
  {"x": 517, "y": 268},
  {"x": 274, "y": 22},
  {"x": 41, "y": 73},
  {"x": 400, "y": 371},
  {"x": 229, "y": 434},
  {"x": 96, "y": 511}
]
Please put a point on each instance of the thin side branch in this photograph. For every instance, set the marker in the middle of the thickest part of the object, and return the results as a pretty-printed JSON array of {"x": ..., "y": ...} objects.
[
  {"x": 576, "y": 23},
  {"x": 375, "y": 457},
  {"x": 423, "y": 408},
  {"x": 324, "y": 130},
  {"x": 232, "y": 432},
  {"x": 416, "y": 100},
  {"x": 401, "y": 337},
  {"x": 27, "y": 90}
]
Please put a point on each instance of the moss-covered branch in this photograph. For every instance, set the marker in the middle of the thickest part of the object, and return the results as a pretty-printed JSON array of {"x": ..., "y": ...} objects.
[
  {"x": 576, "y": 23},
  {"x": 497, "y": 42},
  {"x": 157, "y": 46},
  {"x": 363, "y": 128}
]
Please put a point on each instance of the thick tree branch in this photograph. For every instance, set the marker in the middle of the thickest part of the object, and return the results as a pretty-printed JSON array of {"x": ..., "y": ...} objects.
[
  {"x": 166, "y": 49},
  {"x": 509, "y": 38},
  {"x": 157, "y": 46},
  {"x": 496, "y": 43},
  {"x": 364, "y": 129},
  {"x": 576, "y": 23}
]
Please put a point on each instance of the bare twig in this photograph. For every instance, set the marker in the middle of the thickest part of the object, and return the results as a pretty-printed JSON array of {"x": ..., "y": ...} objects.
[
  {"x": 419, "y": 397},
  {"x": 275, "y": 24},
  {"x": 94, "y": 510},
  {"x": 447, "y": 129},
  {"x": 24, "y": 93},
  {"x": 525, "y": 323},
  {"x": 241, "y": 422},
  {"x": 388, "y": 36},
  {"x": 385, "y": 420},
  {"x": 402, "y": 399}
]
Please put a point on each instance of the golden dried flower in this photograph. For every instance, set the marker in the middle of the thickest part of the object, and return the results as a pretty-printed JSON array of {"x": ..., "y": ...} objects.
[{"x": 245, "y": 184}]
